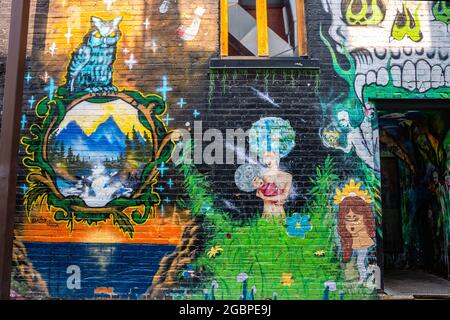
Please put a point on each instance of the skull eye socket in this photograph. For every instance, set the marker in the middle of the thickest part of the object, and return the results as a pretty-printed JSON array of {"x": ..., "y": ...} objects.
[
  {"x": 407, "y": 24},
  {"x": 441, "y": 11},
  {"x": 363, "y": 12},
  {"x": 401, "y": 20}
]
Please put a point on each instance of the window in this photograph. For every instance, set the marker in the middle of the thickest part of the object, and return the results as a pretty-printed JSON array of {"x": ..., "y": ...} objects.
[{"x": 263, "y": 28}]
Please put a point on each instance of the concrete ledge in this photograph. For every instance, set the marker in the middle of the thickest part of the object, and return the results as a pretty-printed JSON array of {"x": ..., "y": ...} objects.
[
  {"x": 264, "y": 63},
  {"x": 399, "y": 297}
]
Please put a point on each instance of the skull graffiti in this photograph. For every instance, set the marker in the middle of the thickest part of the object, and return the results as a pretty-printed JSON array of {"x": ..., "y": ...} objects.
[
  {"x": 404, "y": 44},
  {"x": 407, "y": 25},
  {"x": 441, "y": 11},
  {"x": 363, "y": 12}
]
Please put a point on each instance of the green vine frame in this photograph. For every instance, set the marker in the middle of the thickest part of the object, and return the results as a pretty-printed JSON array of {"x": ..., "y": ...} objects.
[{"x": 41, "y": 176}]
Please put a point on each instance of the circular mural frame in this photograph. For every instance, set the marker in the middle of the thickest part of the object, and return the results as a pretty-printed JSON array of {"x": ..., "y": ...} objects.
[{"x": 41, "y": 178}]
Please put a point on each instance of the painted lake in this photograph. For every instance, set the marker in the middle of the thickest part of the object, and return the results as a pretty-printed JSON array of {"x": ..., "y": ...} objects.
[{"x": 79, "y": 270}]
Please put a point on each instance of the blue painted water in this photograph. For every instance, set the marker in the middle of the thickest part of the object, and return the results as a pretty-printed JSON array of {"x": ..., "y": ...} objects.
[{"x": 128, "y": 268}]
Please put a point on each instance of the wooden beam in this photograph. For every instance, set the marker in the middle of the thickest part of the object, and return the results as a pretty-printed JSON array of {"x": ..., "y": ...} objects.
[
  {"x": 301, "y": 29},
  {"x": 262, "y": 27},
  {"x": 10, "y": 132},
  {"x": 224, "y": 28}
]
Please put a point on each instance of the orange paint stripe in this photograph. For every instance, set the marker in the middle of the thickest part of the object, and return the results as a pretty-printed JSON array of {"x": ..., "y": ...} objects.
[
  {"x": 263, "y": 29},
  {"x": 224, "y": 28},
  {"x": 301, "y": 29}
]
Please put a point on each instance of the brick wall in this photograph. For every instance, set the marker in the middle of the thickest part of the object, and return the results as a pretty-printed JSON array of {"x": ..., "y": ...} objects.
[
  {"x": 4, "y": 15},
  {"x": 100, "y": 197}
]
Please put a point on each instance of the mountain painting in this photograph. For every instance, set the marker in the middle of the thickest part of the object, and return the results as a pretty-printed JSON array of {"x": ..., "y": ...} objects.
[{"x": 99, "y": 151}]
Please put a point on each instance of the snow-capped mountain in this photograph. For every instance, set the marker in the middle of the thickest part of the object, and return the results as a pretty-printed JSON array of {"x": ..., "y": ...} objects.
[
  {"x": 108, "y": 141},
  {"x": 109, "y": 131}
]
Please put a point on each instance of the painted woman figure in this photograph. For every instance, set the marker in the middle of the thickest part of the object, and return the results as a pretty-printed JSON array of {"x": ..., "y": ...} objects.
[
  {"x": 271, "y": 139},
  {"x": 356, "y": 226},
  {"x": 274, "y": 205}
]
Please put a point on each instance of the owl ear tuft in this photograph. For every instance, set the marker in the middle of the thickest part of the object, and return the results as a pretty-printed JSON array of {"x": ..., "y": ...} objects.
[
  {"x": 96, "y": 21},
  {"x": 117, "y": 21}
]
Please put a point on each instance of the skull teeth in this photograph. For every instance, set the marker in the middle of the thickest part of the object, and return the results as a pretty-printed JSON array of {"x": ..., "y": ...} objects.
[{"x": 418, "y": 76}]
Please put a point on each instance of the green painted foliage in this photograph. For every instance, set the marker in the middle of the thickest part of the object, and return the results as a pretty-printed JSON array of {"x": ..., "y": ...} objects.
[{"x": 277, "y": 265}]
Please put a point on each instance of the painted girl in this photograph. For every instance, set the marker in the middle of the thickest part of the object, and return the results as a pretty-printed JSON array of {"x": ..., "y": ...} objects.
[{"x": 356, "y": 227}]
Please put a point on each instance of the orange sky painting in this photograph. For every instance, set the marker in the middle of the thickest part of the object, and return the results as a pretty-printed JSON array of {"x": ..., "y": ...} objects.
[{"x": 41, "y": 227}]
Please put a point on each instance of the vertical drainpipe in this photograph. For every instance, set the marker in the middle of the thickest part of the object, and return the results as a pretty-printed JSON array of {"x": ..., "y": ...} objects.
[{"x": 10, "y": 132}]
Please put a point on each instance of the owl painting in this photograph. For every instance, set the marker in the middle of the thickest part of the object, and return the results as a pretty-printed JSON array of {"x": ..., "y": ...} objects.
[{"x": 91, "y": 67}]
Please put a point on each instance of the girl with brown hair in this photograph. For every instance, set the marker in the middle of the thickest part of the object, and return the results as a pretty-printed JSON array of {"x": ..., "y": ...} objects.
[{"x": 356, "y": 228}]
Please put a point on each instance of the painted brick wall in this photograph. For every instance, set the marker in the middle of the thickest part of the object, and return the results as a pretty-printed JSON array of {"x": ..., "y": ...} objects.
[
  {"x": 4, "y": 15},
  {"x": 100, "y": 197}
]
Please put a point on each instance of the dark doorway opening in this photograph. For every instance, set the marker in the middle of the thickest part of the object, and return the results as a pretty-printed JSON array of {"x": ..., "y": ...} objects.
[{"x": 415, "y": 165}]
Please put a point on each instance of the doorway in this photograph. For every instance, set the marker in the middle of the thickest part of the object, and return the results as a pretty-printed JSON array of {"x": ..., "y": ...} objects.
[{"x": 415, "y": 166}]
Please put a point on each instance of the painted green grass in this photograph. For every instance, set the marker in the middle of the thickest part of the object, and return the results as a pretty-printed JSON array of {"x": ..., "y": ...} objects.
[
  {"x": 276, "y": 263},
  {"x": 265, "y": 252}
]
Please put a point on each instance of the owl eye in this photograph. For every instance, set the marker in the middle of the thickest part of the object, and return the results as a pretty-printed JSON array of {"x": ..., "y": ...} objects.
[
  {"x": 98, "y": 35},
  {"x": 113, "y": 34}
]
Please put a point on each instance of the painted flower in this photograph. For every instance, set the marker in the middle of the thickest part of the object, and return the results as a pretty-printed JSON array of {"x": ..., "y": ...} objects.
[
  {"x": 330, "y": 285},
  {"x": 253, "y": 293},
  {"x": 214, "y": 252},
  {"x": 188, "y": 272},
  {"x": 274, "y": 297},
  {"x": 207, "y": 209},
  {"x": 320, "y": 253},
  {"x": 15, "y": 296},
  {"x": 298, "y": 226},
  {"x": 215, "y": 284},
  {"x": 286, "y": 279},
  {"x": 242, "y": 277},
  {"x": 229, "y": 236}
]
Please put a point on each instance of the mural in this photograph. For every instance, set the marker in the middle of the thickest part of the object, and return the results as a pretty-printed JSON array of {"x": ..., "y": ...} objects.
[
  {"x": 270, "y": 140},
  {"x": 398, "y": 62},
  {"x": 97, "y": 152},
  {"x": 356, "y": 225},
  {"x": 94, "y": 156},
  {"x": 109, "y": 212},
  {"x": 273, "y": 263},
  {"x": 91, "y": 66},
  {"x": 405, "y": 60},
  {"x": 189, "y": 33},
  {"x": 418, "y": 140}
]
